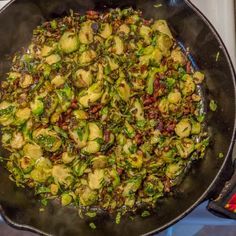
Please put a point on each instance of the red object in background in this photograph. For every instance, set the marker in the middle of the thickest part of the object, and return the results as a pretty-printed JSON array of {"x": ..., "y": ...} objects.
[{"x": 231, "y": 205}]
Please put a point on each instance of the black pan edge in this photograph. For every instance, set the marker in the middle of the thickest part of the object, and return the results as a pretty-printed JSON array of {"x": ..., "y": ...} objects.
[{"x": 233, "y": 138}]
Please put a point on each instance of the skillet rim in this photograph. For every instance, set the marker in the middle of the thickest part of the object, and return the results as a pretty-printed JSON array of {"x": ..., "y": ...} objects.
[{"x": 216, "y": 178}]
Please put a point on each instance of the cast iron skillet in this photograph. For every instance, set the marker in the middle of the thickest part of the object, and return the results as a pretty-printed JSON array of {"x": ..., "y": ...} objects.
[{"x": 20, "y": 209}]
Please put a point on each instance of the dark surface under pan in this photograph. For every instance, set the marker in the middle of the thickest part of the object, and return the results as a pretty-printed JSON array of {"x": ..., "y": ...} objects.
[{"x": 20, "y": 208}]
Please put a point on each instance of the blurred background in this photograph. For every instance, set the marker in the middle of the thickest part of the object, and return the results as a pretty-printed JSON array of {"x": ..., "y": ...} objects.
[{"x": 222, "y": 14}]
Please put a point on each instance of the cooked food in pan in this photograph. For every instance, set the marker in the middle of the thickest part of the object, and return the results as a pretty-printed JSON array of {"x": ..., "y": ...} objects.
[{"x": 102, "y": 110}]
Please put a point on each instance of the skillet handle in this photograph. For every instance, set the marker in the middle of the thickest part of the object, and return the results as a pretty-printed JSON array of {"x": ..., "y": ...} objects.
[{"x": 225, "y": 204}]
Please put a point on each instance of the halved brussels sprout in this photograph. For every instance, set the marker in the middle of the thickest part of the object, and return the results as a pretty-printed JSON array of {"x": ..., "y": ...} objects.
[
  {"x": 83, "y": 78},
  {"x": 136, "y": 160},
  {"x": 153, "y": 186},
  {"x": 145, "y": 32},
  {"x": 90, "y": 96},
  {"x": 174, "y": 169},
  {"x": 95, "y": 179},
  {"x": 22, "y": 115},
  {"x": 132, "y": 186},
  {"x": 26, "y": 164},
  {"x": 87, "y": 196},
  {"x": 58, "y": 81},
  {"x": 185, "y": 147},
  {"x": 80, "y": 114},
  {"x": 117, "y": 45},
  {"x": 47, "y": 139},
  {"x": 33, "y": 151},
  {"x": 52, "y": 59},
  {"x": 113, "y": 64},
  {"x": 196, "y": 127},
  {"x": 87, "y": 57},
  {"x": 174, "y": 97},
  {"x": 123, "y": 89},
  {"x": 164, "y": 106},
  {"x": 115, "y": 176},
  {"x": 65, "y": 95},
  {"x": 79, "y": 168},
  {"x": 26, "y": 81},
  {"x": 42, "y": 170},
  {"x": 66, "y": 199},
  {"x": 47, "y": 50},
  {"x": 100, "y": 162},
  {"x": 162, "y": 26},
  {"x": 198, "y": 77},
  {"x": 91, "y": 147},
  {"x": 67, "y": 157},
  {"x": 7, "y": 111},
  {"x": 106, "y": 30},
  {"x": 164, "y": 43},
  {"x": 37, "y": 106},
  {"x": 129, "y": 129},
  {"x": 124, "y": 29},
  {"x": 183, "y": 128},
  {"x": 178, "y": 57},
  {"x": 94, "y": 131},
  {"x": 54, "y": 189},
  {"x": 127, "y": 148},
  {"x": 86, "y": 33},
  {"x": 187, "y": 85},
  {"x": 17, "y": 140},
  {"x": 138, "y": 110},
  {"x": 69, "y": 42},
  {"x": 62, "y": 175},
  {"x": 80, "y": 135}
]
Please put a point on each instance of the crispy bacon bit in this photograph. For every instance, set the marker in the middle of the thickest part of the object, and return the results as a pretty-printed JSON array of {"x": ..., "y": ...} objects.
[
  {"x": 95, "y": 108},
  {"x": 138, "y": 138},
  {"x": 170, "y": 127},
  {"x": 119, "y": 170},
  {"x": 148, "y": 99},
  {"x": 92, "y": 15},
  {"x": 167, "y": 185},
  {"x": 188, "y": 67},
  {"x": 143, "y": 68},
  {"x": 107, "y": 136}
]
